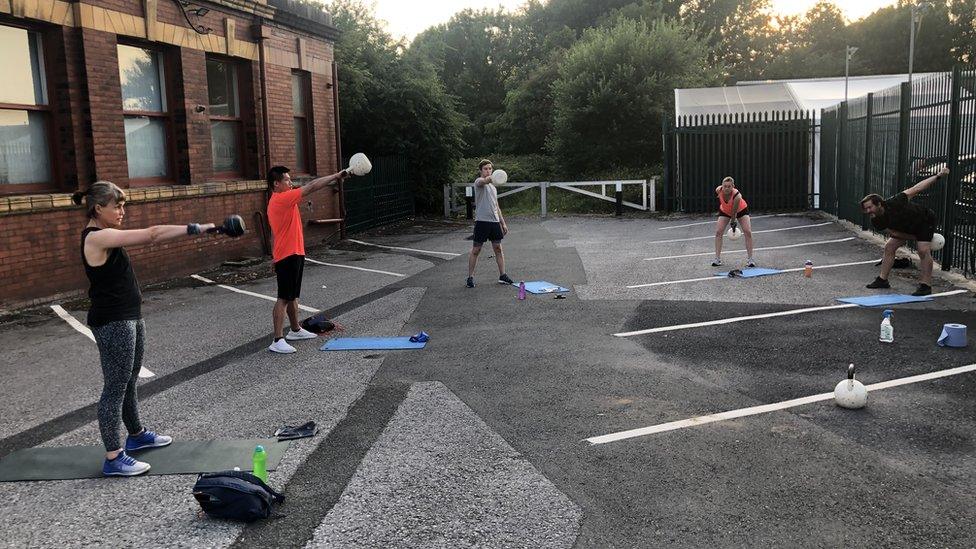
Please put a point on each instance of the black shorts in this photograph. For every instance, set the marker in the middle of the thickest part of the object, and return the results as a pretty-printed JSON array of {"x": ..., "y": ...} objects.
[
  {"x": 738, "y": 214},
  {"x": 289, "y": 272},
  {"x": 487, "y": 230}
]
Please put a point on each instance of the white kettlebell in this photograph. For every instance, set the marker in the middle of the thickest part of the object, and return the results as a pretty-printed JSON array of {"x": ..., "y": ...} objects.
[
  {"x": 359, "y": 164},
  {"x": 938, "y": 241},
  {"x": 734, "y": 233},
  {"x": 499, "y": 177},
  {"x": 850, "y": 393}
]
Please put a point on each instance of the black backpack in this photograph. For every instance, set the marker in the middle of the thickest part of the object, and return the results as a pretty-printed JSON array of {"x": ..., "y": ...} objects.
[{"x": 235, "y": 495}]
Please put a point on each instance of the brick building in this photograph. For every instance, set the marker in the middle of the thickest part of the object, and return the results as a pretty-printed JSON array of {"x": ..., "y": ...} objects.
[{"x": 131, "y": 91}]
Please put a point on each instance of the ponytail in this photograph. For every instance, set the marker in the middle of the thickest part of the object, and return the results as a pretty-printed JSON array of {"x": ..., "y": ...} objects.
[{"x": 100, "y": 193}]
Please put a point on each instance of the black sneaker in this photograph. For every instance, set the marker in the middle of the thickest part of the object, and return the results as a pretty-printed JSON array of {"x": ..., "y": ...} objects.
[
  {"x": 879, "y": 283},
  {"x": 750, "y": 264},
  {"x": 717, "y": 263},
  {"x": 923, "y": 289},
  {"x": 470, "y": 282},
  {"x": 505, "y": 280}
]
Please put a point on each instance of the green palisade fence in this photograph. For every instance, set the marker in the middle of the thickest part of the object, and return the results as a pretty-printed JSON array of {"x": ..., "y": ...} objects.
[
  {"x": 382, "y": 196},
  {"x": 770, "y": 156},
  {"x": 890, "y": 140}
]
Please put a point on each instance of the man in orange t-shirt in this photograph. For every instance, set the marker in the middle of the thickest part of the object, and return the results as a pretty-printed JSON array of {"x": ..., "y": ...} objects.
[{"x": 289, "y": 250}]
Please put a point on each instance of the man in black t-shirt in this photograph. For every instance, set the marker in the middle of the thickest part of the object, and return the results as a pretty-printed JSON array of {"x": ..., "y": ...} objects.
[{"x": 904, "y": 221}]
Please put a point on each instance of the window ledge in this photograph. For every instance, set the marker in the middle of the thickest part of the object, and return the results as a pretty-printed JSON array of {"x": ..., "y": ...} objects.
[{"x": 10, "y": 205}]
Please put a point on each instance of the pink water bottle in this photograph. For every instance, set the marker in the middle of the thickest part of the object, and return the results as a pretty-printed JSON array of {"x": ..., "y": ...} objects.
[{"x": 521, "y": 290}]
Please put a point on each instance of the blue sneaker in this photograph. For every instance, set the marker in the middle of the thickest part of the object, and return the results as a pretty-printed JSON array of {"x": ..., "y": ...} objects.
[
  {"x": 124, "y": 465},
  {"x": 146, "y": 439}
]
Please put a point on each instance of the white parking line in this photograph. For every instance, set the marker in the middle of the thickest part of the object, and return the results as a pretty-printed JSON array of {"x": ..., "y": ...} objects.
[
  {"x": 718, "y": 277},
  {"x": 762, "y": 409},
  {"x": 252, "y": 294},
  {"x": 800, "y": 245},
  {"x": 758, "y": 317},
  {"x": 77, "y": 325},
  {"x": 451, "y": 254},
  {"x": 810, "y": 226},
  {"x": 310, "y": 260},
  {"x": 712, "y": 221}
]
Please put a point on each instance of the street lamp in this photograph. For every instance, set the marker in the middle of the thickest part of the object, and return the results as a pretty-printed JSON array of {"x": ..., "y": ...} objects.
[
  {"x": 851, "y": 50},
  {"x": 918, "y": 10}
]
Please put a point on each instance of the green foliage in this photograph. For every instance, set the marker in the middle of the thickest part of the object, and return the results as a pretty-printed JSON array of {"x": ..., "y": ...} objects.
[
  {"x": 613, "y": 87},
  {"x": 392, "y": 107},
  {"x": 525, "y": 167}
]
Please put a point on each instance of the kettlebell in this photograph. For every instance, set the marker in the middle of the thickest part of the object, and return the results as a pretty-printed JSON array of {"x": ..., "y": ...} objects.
[{"x": 850, "y": 393}]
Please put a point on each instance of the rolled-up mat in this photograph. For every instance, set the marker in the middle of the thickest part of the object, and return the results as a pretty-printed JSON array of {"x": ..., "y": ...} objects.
[
  {"x": 180, "y": 457},
  {"x": 953, "y": 335}
]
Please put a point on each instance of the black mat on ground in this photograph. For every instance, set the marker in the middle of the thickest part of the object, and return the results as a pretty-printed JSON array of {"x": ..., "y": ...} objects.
[{"x": 180, "y": 457}]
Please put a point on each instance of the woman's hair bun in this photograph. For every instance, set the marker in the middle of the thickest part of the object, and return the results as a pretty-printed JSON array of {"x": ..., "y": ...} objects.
[{"x": 78, "y": 197}]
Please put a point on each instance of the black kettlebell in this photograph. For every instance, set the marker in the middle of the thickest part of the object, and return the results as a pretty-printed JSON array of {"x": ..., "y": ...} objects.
[{"x": 233, "y": 226}]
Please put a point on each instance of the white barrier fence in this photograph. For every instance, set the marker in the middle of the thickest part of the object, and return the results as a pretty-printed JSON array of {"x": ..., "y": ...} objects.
[{"x": 648, "y": 188}]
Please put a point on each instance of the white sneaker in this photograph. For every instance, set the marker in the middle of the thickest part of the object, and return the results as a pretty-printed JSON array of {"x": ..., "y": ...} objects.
[
  {"x": 281, "y": 346},
  {"x": 302, "y": 333}
]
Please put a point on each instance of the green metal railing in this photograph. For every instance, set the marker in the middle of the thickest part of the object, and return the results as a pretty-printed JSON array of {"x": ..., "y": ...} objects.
[
  {"x": 889, "y": 140},
  {"x": 384, "y": 195},
  {"x": 770, "y": 156}
]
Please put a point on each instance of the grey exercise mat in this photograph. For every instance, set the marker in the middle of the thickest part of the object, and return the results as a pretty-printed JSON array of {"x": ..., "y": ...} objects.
[{"x": 180, "y": 457}]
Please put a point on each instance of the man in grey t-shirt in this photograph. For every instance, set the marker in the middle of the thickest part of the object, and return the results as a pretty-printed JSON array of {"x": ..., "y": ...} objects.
[{"x": 489, "y": 224}]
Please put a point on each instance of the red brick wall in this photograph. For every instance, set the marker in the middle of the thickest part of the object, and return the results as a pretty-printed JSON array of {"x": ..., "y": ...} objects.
[
  {"x": 105, "y": 125},
  {"x": 41, "y": 256},
  {"x": 194, "y": 156}
]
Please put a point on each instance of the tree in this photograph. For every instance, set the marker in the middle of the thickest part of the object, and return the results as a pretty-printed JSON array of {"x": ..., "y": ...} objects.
[
  {"x": 470, "y": 55},
  {"x": 963, "y": 15},
  {"x": 613, "y": 88},
  {"x": 883, "y": 39},
  {"x": 391, "y": 107}
]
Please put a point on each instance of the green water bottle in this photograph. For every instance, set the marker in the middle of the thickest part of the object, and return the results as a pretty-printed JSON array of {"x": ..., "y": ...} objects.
[{"x": 260, "y": 460}]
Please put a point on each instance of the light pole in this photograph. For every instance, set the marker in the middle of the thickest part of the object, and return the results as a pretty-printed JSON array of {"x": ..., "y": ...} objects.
[
  {"x": 851, "y": 50},
  {"x": 918, "y": 10}
]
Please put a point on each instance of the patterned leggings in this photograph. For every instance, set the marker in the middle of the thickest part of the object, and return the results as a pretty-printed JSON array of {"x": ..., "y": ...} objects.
[{"x": 120, "y": 349}]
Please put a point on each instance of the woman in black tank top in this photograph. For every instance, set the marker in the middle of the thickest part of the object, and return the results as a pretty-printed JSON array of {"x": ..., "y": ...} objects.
[{"x": 115, "y": 317}]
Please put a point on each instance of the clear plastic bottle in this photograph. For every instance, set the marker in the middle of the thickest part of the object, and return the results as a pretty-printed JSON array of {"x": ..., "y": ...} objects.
[
  {"x": 808, "y": 269},
  {"x": 260, "y": 462},
  {"x": 887, "y": 329}
]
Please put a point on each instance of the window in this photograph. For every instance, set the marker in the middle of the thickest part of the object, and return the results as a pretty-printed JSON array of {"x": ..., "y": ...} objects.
[
  {"x": 147, "y": 120},
  {"x": 303, "y": 139},
  {"x": 25, "y": 116},
  {"x": 225, "y": 118}
]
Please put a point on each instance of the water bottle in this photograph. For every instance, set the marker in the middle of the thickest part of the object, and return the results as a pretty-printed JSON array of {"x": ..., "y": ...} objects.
[
  {"x": 521, "y": 294},
  {"x": 887, "y": 330},
  {"x": 808, "y": 269},
  {"x": 260, "y": 460}
]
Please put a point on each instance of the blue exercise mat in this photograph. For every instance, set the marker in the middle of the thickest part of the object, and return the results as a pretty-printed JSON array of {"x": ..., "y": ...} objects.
[
  {"x": 371, "y": 344},
  {"x": 883, "y": 299},
  {"x": 542, "y": 287},
  {"x": 754, "y": 272}
]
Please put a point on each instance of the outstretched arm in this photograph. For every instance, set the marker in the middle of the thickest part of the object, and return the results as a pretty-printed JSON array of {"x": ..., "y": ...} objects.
[
  {"x": 925, "y": 183},
  {"x": 322, "y": 182},
  {"x": 116, "y": 238}
]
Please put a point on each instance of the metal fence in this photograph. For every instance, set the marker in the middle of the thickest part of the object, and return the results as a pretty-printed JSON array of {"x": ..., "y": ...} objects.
[
  {"x": 890, "y": 140},
  {"x": 382, "y": 196},
  {"x": 770, "y": 156}
]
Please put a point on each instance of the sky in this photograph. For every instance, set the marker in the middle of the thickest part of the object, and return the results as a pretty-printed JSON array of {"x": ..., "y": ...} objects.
[{"x": 407, "y": 19}]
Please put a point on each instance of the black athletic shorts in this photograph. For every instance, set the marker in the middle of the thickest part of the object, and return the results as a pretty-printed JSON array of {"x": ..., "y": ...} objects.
[
  {"x": 487, "y": 230},
  {"x": 289, "y": 272},
  {"x": 738, "y": 214}
]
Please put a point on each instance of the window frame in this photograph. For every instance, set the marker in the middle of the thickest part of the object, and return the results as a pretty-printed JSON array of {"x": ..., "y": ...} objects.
[
  {"x": 166, "y": 95},
  {"x": 309, "y": 145},
  {"x": 52, "y": 185},
  {"x": 239, "y": 120}
]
